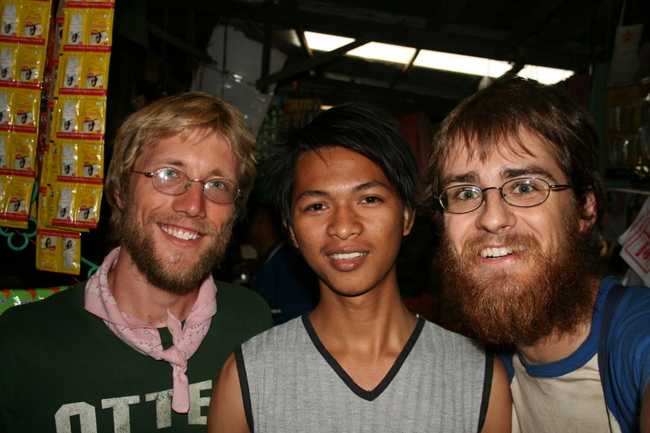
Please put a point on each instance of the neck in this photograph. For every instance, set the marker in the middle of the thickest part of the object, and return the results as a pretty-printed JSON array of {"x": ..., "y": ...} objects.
[
  {"x": 136, "y": 296},
  {"x": 556, "y": 346},
  {"x": 374, "y": 320},
  {"x": 559, "y": 345},
  {"x": 364, "y": 333}
]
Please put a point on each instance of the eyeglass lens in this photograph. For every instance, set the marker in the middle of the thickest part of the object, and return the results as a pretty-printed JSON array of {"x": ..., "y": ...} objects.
[
  {"x": 174, "y": 182},
  {"x": 525, "y": 192}
]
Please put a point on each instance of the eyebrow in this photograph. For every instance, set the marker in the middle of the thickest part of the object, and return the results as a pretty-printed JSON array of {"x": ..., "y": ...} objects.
[
  {"x": 369, "y": 185},
  {"x": 175, "y": 163},
  {"x": 358, "y": 188},
  {"x": 472, "y": 177},
  {"x": 531, "y": 170}
]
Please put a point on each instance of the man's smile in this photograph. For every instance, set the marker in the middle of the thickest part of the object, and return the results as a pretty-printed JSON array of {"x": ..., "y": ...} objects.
[
  {"x": 499, "y": 252},
  {"x": 347, "y": 256},
  {"x": 179, "y": 233}
]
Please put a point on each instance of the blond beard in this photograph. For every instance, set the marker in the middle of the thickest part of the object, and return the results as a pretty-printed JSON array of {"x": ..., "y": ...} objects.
[{"x": 172, "y": 279}]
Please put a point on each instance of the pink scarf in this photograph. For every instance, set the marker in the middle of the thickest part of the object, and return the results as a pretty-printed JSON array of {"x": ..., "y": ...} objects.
[{"x": 144, "y": 338}]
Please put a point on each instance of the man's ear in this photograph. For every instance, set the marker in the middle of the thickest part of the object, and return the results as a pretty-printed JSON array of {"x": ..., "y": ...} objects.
[
  {"x": 589, "y": 213},
  {"x": 409, "y": 219},
  {"x": 292, "y": 236},
  {"x": 118, "y": 200}
]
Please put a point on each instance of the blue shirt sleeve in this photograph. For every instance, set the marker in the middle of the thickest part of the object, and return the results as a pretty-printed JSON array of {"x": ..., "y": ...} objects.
[{"x": 628, "y": 370}]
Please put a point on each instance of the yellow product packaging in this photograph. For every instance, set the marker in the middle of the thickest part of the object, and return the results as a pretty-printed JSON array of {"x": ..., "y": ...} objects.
[
  {"x": 83, "y": 73},
  {"x": 58, "y": 251},
  {"x": 101, "y": 28},
  {"x": 62, "y": 194},
  {"x": 68, "y": 160},
  {"x": 70, "y": 72},
  {"x": 6, "y": 103},
  {"x": 91, "y": 158},
  {"x": 45, "y": 212},
  {"x": 96, "y": 73},
  {"x": 93, "y": 112},
  {"x": 36, "y": 21},
  {"x": 80, "y": 159},
  {"x": 78, "y": 205},
  {"x": 48, "y": 198},
  {"x": 22, "y": 151},
  {"x": 4, "y": 141},
  {"x": 10, "y": 18},
  {"x": 71, "y": 254},
  {"x": 30, "y": 65},
  {"x": 26, "y": 109},
  {"x": 50, "y": 164},
  {"x": 74, "y": 28},
  {"x": 8, "y": 61},
  {"x": 15, "y": 198},
  {"x": 88, "y": 205},
  {"x": 65, "y": 117}
]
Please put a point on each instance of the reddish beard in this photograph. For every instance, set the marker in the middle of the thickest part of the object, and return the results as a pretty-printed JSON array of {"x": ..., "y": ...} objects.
[{"x": 557, "y": 294}]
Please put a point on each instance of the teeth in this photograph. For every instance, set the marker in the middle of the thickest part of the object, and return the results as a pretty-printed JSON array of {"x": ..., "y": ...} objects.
[
  {"x": 348, "y": 256},
  {"x": 500, "y": 252},
  {"x": 181, "y": 234}
]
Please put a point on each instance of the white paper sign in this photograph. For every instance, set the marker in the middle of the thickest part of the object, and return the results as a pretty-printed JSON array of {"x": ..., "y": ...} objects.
[{"x": 636, "y": 244}]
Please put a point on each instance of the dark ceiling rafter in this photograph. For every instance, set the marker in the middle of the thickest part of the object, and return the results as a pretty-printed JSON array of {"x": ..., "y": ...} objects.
[
  {"x": 434, "y": 25},
  {"x": 405, "y": 70},
  {"x": 535, "y": 19},
  {"x": 308, "y": 65},
  {"x": 178, "y": 43},
  {"x": 554, "y": 33},
  {"x": 303, "y": 42},
  {"x": 565, "y": 34}
]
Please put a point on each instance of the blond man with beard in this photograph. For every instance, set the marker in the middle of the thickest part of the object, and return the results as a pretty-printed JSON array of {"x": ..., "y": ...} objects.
[
  {"x": 513, "y": 183},
  {"x": 137, "y": 346}
]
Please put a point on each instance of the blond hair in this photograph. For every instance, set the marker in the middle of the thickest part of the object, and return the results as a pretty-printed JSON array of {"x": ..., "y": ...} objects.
[{"x": 171, "y": 116}]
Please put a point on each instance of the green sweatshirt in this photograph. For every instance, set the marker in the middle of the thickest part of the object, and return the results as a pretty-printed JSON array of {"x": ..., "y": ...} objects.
[{"x": 63, "y": 370}]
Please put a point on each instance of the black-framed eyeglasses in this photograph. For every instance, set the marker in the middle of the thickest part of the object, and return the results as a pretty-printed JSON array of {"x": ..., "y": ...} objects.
[
  {"x": 520, "y": 192},
  {"x": 171, "y": 181}
]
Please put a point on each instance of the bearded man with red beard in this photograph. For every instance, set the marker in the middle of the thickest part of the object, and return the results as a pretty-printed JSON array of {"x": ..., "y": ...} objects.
[
  {"x": 138, "y": 346},
  {"x": 513, "y": 184}
]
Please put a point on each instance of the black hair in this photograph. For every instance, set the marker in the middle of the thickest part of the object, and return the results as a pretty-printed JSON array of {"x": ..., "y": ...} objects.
[{"x": 356, "y": 126}]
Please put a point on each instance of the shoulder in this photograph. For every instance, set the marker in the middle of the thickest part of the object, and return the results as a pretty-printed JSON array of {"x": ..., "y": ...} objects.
[
  {"x": 31, "y": 326},
  {"x": 46, "y": 311},
  {"x": 630, "y": 322},
  {"x": 450, "y": 339},
  {"x": 628, "y": 352},
  {"x": 631, "y": 318},
  {"x": 454, "y": 354},
  {"x": 279, "y": 339},
  {"x": 232, "y": 297},
  {"x": 241, "y": 310}
]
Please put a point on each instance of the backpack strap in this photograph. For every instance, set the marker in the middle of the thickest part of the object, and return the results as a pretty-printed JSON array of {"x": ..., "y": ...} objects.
[{"x": 611, "y": 302}]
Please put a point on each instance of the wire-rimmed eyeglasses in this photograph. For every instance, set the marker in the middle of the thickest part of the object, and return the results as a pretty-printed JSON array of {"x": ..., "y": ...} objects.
[
  {"x": 520, "y": 192},
  {"x": 171, "y": 181}
]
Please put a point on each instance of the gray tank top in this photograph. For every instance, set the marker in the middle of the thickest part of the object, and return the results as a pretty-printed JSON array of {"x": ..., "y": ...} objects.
[{"x": 290, "y": 383}]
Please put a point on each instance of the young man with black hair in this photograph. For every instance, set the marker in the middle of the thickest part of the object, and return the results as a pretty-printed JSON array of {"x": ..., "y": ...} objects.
[{"x": 345, "y": 183}]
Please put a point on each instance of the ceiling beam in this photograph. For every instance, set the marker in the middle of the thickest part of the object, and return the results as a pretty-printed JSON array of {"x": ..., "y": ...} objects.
[
  {"x": 178, "y": 43},
  {"x": 526, "y": 28},
  {"x": 307, "y": 65}
]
